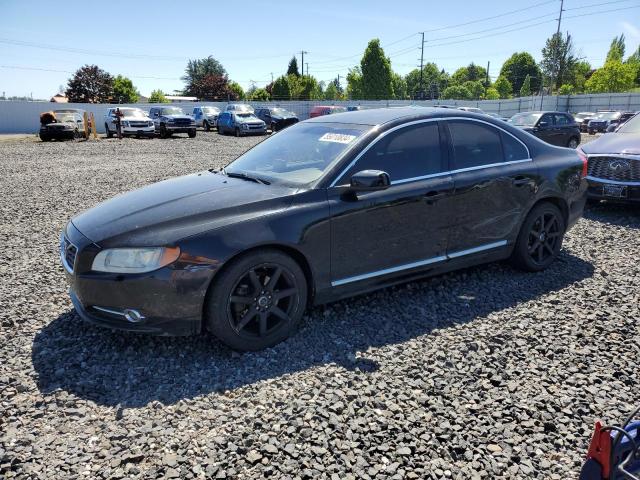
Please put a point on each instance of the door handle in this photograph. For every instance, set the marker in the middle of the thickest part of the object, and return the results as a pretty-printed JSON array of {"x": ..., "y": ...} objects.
[{"x": 432, "y": 196}]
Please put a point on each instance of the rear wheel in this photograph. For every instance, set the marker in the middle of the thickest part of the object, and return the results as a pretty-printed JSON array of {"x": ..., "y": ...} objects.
[
  {"x": 540, "y": 238},
  {"x": 573, "y": 142},
  {"x": 257, "y": 301}
]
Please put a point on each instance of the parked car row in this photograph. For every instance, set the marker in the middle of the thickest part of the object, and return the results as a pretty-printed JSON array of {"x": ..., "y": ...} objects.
[{"x": 602, "y": 121}]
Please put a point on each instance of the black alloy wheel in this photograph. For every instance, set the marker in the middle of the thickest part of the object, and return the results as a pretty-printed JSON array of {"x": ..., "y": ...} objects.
[
  {"x": 573, "y": 143},
  {"x": 257, "y": 301},
  {"x": 540, "y": 238}
]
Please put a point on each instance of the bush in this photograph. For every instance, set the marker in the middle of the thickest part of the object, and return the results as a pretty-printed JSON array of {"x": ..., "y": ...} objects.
[
  {"x": 457, "y": 92},
  {"x": 492, "y": 94},
  {"x": 157, "y": 96},
  {"x": 567, "y": 89}
]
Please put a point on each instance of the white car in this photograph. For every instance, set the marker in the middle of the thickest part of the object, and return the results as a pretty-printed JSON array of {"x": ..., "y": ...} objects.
[
  {"x": 206, "y": 117},
  {"x": 135, "y": 123}
]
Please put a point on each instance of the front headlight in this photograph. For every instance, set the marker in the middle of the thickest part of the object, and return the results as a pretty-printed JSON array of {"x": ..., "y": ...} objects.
[
  {"x": 150, "y": 124},
  {"x": 134, "y": 260},
  {"x": 125, "y": 123}
]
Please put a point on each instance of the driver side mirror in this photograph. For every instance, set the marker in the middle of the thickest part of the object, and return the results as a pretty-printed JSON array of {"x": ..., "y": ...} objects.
[
  {"x": 543, "y": 124},
  {"x": 370, "y": 180}
]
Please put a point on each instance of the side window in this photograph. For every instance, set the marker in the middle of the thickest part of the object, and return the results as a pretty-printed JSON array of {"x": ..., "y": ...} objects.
[
  {"x": 409, "y": 152},
  {"x": 474, "y": 144},
  {"x": 513, "y": 149},
  {"x": 547, "y": 117},
  {"x": 560, "y": 119}
]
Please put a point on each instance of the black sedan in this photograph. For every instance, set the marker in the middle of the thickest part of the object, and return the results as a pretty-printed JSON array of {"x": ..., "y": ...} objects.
[
  {"x": 276, "y": 118},
  {"x": 329, "y": 208},
  {"x": 614, "y": 164},
  {"x": 556, "y": 128}
]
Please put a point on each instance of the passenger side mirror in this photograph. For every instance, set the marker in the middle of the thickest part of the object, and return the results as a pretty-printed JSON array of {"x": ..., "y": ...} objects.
[
  {"x": 543, "y": 124},
  {"x": 370, "y": 180}
]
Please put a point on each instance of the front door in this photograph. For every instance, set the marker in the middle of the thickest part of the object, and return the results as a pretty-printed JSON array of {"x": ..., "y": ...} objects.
[
  {"x": 493, "y": 180},
  {"x": 403, "y": 227}
]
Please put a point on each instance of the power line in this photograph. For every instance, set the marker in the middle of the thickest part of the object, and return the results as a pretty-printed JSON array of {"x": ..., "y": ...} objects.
[{"x": 597, "y": 5}]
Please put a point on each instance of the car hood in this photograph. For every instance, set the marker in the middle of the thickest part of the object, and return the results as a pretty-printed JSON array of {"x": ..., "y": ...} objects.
[
  {"x": 283, "y": 117},
  {"x": 248, "y": 120},
  {"x": 178, "y": 117},
  {"x": 165, "y": 212},
  {"x": 626, "y": 143},
  {"x": 137, "y": 119}
]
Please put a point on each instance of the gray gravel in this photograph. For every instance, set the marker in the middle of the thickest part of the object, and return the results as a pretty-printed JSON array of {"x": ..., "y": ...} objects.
[{"x": 486, "y": 373}]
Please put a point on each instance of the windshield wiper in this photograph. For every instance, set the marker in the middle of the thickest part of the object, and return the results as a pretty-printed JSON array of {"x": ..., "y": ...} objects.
[{"x": 246, "y": 176}]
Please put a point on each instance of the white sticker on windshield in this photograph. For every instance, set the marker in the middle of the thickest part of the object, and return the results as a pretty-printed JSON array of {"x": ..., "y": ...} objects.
[{"x": 337, "y": 138}]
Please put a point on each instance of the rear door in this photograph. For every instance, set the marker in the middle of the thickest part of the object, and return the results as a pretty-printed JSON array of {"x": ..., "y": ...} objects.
[
  {"x": 545, "y": 129},
  {"x": 564, "y": 128},
  {"x": 494, "y": 179}
]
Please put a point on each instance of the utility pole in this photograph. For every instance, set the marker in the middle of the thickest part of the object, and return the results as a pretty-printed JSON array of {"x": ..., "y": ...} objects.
[
  {"x": 557, "y": 46},
  {"x": 486, "y": 82},
  {"x": 302, "y": 52},
  {"x": 421, "y": 66},
  {"x": 271, "y": 77},
  {"x": 560, "y": 16}
]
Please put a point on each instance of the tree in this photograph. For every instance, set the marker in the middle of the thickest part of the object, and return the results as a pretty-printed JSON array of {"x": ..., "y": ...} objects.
[
  {"x": 491, "y": 94},
  {"x": 616, "y": 50},
  {"x": 503, "y": 87},
  {"x": 516, "y": 68},
  {"x": 558, "y": 60},
  {"x": 157, "y": 96},
  {"x": 90, "y": 84},
  {"x": 292, "y": 69},
  {"x": 399, "y": 86},
  {"x": 634, "y": 61},
  {"x": 566, "y": 89},
  {"x": 580, "y": 72},
  {"x": 476, "y": 88},
  {"x": 431, "y": 81},
  {"x": 197, "y": 70},
  {"x": 525, "y": 90},
  {"x": 376, "y": 72},
  {"x": 281, "y": 89},
  {"x": 354, "y": 84},
  {"x": 210, "y": 87},
  {"x": 611, "y": 78},
  {"x": 235, "y": 91},
  {"x": 304, "y": 87},
  {"x": 331, "y": 92},
  {"x": 124, "y": 91},
  {"x": 260, "y": 95},
  {"x": 457, "y": 92},
  {"x": 470, "y": 73}
]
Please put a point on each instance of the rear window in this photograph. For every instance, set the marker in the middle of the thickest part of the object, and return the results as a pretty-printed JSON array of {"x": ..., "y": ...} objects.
[{"x": 475, "y": 144}]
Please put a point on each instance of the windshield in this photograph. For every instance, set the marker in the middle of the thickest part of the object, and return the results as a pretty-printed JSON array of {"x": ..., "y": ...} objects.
[
  {"x": 210, "y": 110},
  {"x": 607, "y": 116},
  {"x": 525, "y": 119},
  {"x": 246, "y": 115},
  {"x": 241, "y": 108},
  {"x": 299, "y": 155},
  {"x": 582, "y": 116},
  {"x": 631, "y": 126},
  {"x": 132, "y": 112},
  {"x": 172, "y": 111},
  {"x": 280, "y": 111}
]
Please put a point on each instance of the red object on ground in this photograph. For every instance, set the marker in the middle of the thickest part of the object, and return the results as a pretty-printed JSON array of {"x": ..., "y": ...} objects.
[{"x": 600, "y": 449}]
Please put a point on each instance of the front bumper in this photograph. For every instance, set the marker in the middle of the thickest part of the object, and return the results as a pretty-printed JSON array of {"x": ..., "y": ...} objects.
[
  {"x": 139, "y": 131},
  {"x": 598, "y": 127},
  {"x": 613, "y": 191},
  {"x": 180, "y": 128}
]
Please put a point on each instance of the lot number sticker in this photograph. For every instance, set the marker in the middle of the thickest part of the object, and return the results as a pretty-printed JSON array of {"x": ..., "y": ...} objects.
[{"x": 337, "y": 138}]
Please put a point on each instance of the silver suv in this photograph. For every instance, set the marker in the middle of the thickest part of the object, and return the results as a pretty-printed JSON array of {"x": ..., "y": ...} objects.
[
  {"x": 135, "y": 123},
  {"x": 206, "y": 117}
]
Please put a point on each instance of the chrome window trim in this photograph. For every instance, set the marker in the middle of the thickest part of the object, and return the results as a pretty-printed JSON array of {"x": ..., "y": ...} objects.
[
  {"x": 612, "y": 182},
  {"x": 440, "y": 174},
  {"x": 419, "y": 263},
  {"x": 108, "y": 310}
]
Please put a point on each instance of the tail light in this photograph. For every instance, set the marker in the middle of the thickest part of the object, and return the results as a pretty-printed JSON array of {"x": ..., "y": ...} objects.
[{"x": 585, "y": 161}]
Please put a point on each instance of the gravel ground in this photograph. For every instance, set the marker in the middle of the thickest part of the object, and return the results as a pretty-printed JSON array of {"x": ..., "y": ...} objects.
[{"x": 486, "y": 373}]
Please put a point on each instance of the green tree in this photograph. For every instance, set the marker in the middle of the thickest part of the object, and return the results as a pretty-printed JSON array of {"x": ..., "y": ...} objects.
[
  {"x": 281, "y": 89},
  {"x": 90, "y": 84},
  {"x": 491, "y": 94},
  {"x": 470, "y": 73},
  {"x": 503, "y": 87},
  {"x": 376, "y": 72},
  {"x": 399, "y": 86},
  {"x": 235, "y": 91},
  {"x": 611, "y": 78},
  {"x": 260, "y": 95},
  {"x": 292, "y": 69},
  {"x": 579, "y": 75},
  {"x": 558, "y": 60},
  {"x": 525, "y": 90},
  {"x": 432, "y": 81},
  {"x": 566, "y": 89},
  {"x": 354, "y": 84},
  {"x": 457, "y": 92},
  {"x": 634, "y": 61},
  {"x": 616, "y": 50},
  {"x": 157, "y": 96},
  {"x": 305, "y": 87},
  {"x": 124, "y": 91},
  {"x": 516, "y": 68},
  {"x": 197, "y": 69},
  {"x": 331, "y": 92},
  {"x": 476, "y": 88}
]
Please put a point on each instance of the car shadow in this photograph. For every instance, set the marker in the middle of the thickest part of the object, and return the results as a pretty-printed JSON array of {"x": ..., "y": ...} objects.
[
  {"x": 618, "y": 214},
  {"x": 131, "y": 370}
]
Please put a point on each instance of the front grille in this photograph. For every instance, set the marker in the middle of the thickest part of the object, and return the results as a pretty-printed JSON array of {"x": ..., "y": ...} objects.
[
  {"x": 255, "y": 126},
  {"x": 620, "y": 169},
  {"x": 138, "y": 124},
  {"x": 182, "y": 122},
  {"x": 68, "y": 252}
]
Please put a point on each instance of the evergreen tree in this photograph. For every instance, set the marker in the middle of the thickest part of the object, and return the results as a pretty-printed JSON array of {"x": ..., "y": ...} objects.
[
  {"x": 293, "y": 67},
  {"x": 376, "y": 73},
  {"x": 525, "y": 90},
  {"x": 616, "y": 49}
]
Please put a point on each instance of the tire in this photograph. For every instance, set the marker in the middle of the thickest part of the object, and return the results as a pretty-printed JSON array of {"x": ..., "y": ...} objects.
[
  {"x": 573, "y": 143},
  {"x": 536, "y": 248},
  {"x": 109, "y": 132},
  {"x": 220, "y": 130},
  {"x": 192, "y": 133},
  {"x": 207, "y": 127},
  {"x": 163, "y": 132},
  {"x": 256, "y": 319},
  {"x": 591, "y": 132},
  {"x": 238, "y": 134},
  {"x": 77, "y": 135},
  {"x": 274, "y": 129},
  {"x": 45, "y": 138}
]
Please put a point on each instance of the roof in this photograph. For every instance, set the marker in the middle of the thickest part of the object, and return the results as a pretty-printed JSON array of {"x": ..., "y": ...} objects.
[
  {"x": 180, "y": 98},
  {"x": 59, "y": 98},
  {"x": 379, "y": 116}
]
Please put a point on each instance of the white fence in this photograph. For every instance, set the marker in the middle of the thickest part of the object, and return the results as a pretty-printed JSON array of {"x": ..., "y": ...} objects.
[{"x": 23, "y": 117}]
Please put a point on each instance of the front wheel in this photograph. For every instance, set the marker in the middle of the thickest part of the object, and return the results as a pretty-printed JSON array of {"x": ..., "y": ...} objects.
[
  {"x": 163, "y": 132},
  {"x": 192, "y": 133},
  {"x": 573, "y": 142},
  {"x": 257, "y": 301},
  {"x": 540, "y": 238},
  {"x": 238, "y": 132},
  {"x": 206, "y": 126},
  {"x": 109, "y": 132}
]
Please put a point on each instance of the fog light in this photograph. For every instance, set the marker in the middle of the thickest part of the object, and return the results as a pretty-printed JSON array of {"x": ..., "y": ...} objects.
[{"x": 133, "y": 316}]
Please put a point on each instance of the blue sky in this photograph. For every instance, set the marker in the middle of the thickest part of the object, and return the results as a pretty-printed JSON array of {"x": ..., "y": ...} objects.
[{"x": 151, "y": 42}]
